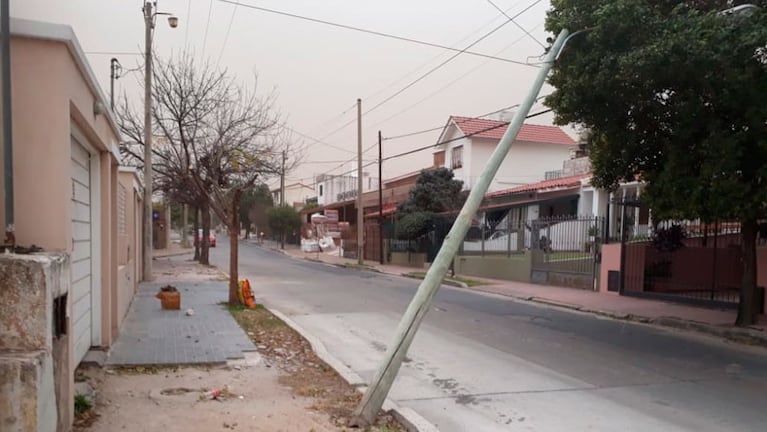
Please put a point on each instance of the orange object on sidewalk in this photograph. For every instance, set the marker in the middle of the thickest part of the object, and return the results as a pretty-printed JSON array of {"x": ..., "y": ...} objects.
[{"x": 246, "y": 295}]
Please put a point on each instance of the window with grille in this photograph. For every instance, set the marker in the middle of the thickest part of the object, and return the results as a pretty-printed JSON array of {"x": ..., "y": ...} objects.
[
  {"x": 121, "y": 195},
  {"x": 457, "y": 156}
]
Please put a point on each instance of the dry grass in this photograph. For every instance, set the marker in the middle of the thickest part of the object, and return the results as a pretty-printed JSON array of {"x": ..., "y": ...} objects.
[{"x": 305, "y": 373}]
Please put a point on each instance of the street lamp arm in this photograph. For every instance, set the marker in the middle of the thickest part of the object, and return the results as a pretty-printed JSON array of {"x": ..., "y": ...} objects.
[
  {"x": 739, "y": 9},
  {"x": 567, "y": 40}
]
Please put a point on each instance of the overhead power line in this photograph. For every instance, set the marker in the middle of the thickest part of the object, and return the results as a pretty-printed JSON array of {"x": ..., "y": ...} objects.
[
  {"x": 434, "y": 69},
  {"x": 373, "y": 32},
  {"x": 226, "y": 37},
  {"x": 321, "y": 142},
  {"x": 207, "y": 25},
  {"x": 448, "y": 85},
  {"x": 430, "y": 61},
  {"x": 113, "y": 53},
  {"x": 516, "y": 24},
  {"x": 430, "y": 146},
  {"x": 504, "y": 124},
  {"x": 443, "y": 126}
]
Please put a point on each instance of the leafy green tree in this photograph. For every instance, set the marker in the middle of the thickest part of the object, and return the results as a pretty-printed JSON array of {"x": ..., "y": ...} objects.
[
  {"x": 435, "y": 191},
  {"x": 672, "y": 93},
  {"x": 253, "y": 206},
  {"x": 282, "y": 220}
]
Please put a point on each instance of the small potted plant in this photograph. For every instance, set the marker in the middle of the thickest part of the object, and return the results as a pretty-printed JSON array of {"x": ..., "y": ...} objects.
[{"x": 170, "y": 298}]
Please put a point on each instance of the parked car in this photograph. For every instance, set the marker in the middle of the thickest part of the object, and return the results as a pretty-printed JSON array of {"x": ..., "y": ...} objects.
[{"x": 211, "y": 237}]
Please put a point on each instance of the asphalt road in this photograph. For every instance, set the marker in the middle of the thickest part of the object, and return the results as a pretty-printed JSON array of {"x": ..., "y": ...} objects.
[{"x": 487, "y": 363}]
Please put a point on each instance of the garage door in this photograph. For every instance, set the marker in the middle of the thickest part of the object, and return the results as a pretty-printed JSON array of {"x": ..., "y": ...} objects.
[{"x": 82, "y": 282}]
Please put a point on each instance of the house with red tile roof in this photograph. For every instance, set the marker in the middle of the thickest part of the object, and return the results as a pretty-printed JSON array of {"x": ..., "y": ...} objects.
[{"x": 465, "y": 146}]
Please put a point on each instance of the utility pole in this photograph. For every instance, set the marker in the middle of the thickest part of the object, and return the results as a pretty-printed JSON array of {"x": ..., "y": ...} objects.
[
  {"x": 114, "y": 64},
  {"x": 282, "y": 180},
  {"x": 376, "y": 393},
  {"x": 380, "y": 202},
  {"x": 5, "y": 52},
  {"x": 360, "y": 220},
  {"x": 147, "y": 256},
  {"x": 282, "y": 196}
]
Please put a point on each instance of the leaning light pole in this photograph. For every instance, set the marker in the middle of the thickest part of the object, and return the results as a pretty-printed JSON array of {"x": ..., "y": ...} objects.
[{"x": 379, "y": 388}]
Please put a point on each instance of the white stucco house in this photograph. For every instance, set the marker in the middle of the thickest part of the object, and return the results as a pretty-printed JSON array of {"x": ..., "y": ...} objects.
[
  {"x": 535, "y": 155},
  {"x": 330, "y": 188}
]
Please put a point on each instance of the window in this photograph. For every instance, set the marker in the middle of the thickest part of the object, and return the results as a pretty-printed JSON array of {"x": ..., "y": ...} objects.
[
  {"x": 121, "y": 223},
  {"x": 457, "y": 156},
  {"x": 320, "y": 190},
  {"x": 439, "y": 159}
]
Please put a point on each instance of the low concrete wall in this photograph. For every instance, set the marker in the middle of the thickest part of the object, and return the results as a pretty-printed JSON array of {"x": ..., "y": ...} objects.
[
  {"x": 36, "y": 367},
  {"x": 515, "y": 267},
  {"x": 24, "y": 378},
  {"x": 126, "y": 289},
  {"x": 408, "y": 259}
]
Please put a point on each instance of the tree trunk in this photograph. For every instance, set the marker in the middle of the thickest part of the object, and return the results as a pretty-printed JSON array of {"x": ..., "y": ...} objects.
[
  {"x": 194, "y": 236},
  {"x": 282, "y": 240},
  {"x": 747, "y": 308},
  {"x": 205, "y": 240},
  {"x": 234, "y": 234}
]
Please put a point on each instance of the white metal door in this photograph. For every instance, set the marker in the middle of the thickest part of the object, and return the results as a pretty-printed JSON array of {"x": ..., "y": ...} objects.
[{"x": 82, "y": 251}]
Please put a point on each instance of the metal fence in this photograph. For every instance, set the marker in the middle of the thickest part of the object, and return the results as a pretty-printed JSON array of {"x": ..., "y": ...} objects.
[
  {"x": 567, "y": 244},
  {"x": 686, "y": 261},
  {"x": 487, "y": 237}
]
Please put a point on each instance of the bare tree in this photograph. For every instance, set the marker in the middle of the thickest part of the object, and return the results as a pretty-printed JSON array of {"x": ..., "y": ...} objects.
[{"x": 218, "y": 139}]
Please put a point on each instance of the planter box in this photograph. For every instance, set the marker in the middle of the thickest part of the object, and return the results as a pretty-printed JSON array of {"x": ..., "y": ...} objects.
[
  {"x": 408, "y": 259},
  {"x": 170, "y": 300}
]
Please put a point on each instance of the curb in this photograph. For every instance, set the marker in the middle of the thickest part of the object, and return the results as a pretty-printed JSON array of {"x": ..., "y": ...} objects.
[
  {"x": 154, "y": 257},
  {"x": 411, "y": 420},
  {"x": 452, "y": 283},
  {"x": 740, "y": 335}
]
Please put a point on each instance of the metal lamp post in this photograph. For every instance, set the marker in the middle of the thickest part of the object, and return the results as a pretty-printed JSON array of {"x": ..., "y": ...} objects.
[{"x": 149, "y": 17}]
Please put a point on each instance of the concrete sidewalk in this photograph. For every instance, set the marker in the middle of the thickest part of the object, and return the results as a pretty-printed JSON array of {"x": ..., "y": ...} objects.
[
  {"x": 152, "y": 336},
  {"x": 716, "y": 322}
]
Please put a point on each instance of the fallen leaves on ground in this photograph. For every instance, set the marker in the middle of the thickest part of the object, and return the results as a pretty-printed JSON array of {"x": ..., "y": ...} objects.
[{"x": 302, "y": 370}]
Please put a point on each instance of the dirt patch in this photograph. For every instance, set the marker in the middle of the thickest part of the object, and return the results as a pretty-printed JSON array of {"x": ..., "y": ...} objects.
[
  {"x": 247, "y": 398},
  {"x": 184, "y": 269},
  {"x": 300, "y": 368}
]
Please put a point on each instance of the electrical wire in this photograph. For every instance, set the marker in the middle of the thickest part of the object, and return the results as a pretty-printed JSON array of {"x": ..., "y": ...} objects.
[
  {"x": 226, "y": 37},
  {"x": 434, "y": 69},
  {"x": 441, "y": 89},
  {"x": 443, "y": 126},
  {"x": 320, "y": 142},
  {"x": 428, "y": 62},
  {"x": 431, "y": 146},
  {"x": 113, "y": 53},
  {"x": 504, "y": 124},
  {"x": 436, "y": 57},
  {"x": 373, "y": 32},
  {"x": 207, "y": 25},
  {"x": 188, "y": 20},
  {"x": 517, "y": 24}
]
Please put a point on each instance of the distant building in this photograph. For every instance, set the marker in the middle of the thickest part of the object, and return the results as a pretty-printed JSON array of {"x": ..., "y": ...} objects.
[
  {"x": 469, "y": 142},
  {"x": 338, "y": 188},
  {"x": 296, "y": 195}
]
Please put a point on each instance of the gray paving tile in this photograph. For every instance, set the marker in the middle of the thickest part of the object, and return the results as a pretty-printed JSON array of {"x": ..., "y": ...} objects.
[{"x": 151, "y": 335}]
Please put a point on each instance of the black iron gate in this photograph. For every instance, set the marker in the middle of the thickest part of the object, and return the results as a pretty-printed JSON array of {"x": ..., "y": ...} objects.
[
  {"x": 565, "y": 250},
  {"x": 689, "y": 262}
]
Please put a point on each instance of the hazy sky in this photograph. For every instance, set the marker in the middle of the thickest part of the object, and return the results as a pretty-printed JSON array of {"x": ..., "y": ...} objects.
[{"x": 319, "y": 71}]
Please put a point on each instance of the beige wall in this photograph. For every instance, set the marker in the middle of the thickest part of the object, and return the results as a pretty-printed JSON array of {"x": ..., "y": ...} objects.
[{"x": 127, "y": 237}]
